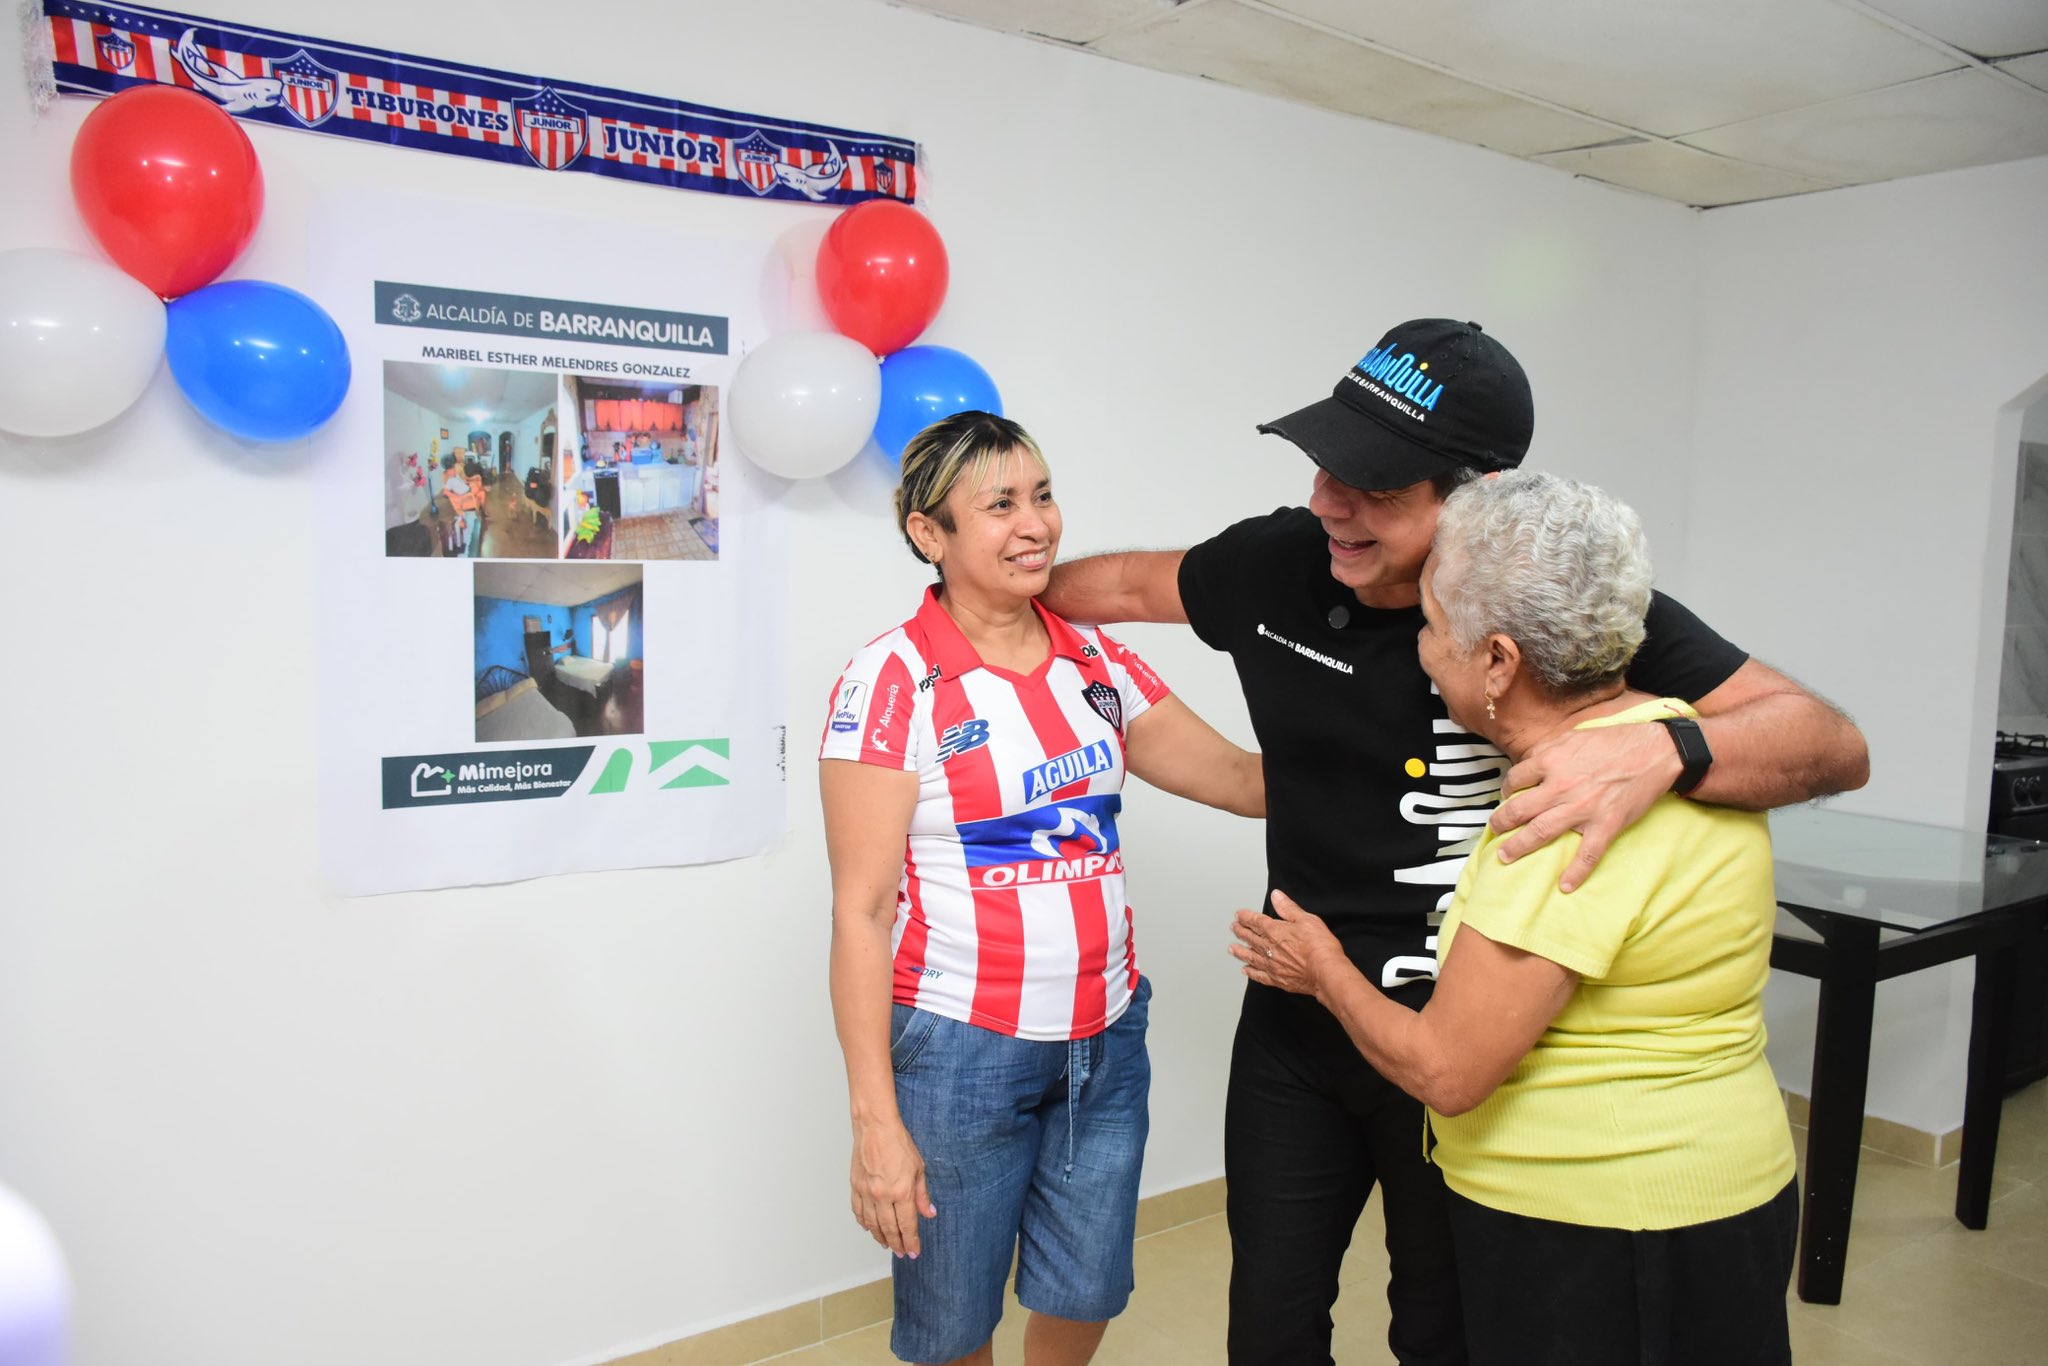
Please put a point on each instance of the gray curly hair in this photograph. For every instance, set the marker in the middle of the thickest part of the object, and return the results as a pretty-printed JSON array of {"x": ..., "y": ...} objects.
[{"x": 1558, "y": 567}]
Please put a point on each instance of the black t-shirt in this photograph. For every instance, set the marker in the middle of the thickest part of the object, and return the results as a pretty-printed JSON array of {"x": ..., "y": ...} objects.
[{"x": 1373, "y": 795}]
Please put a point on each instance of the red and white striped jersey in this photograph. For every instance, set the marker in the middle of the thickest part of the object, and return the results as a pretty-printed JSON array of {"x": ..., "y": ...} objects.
[{"x": 1011, "y": 911}]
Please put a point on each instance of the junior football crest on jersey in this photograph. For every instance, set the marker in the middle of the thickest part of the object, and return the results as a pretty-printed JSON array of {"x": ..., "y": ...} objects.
[{"x": 1106, "y": 702}]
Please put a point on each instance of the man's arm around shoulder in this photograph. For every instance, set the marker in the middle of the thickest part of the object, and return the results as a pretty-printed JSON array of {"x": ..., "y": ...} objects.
[
  {"x": 1129, "y": 585},
  {"x": 1774, "y": 744}
]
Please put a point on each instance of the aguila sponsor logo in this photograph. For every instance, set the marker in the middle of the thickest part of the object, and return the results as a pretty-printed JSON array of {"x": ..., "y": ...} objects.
[{"x": 1074, "y": 765}]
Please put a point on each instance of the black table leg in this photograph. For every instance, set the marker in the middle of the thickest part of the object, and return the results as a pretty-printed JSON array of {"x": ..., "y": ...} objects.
[
  {"x": 1984, "y": 1100},
  {"x": 1841, "y": 1075}
]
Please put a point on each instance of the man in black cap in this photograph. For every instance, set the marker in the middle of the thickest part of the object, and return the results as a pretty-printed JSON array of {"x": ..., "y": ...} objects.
[{"x": 1374, "y": 797}]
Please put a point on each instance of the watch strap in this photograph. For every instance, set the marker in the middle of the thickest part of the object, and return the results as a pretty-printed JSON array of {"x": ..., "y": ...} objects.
[{"x": 1693, "y": 755}]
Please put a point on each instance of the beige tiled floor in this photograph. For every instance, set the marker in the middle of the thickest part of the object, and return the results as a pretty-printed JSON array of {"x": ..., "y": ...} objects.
[
  {"x": 1922, "y": 1290},
  {"x": 663, "y": 536}
]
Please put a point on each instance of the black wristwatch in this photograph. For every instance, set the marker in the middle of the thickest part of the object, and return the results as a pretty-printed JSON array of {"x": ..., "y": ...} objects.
[{"x": 1693, "y": 754}]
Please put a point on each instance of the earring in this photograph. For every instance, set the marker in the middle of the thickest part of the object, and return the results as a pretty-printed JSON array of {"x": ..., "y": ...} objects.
[{"x": 1489, "y": 708}]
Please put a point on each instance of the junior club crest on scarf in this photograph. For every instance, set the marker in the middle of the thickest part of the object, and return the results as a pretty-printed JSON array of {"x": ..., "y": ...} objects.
[
  {"x": 115, "y": 52},
  {"x": 1106, "y": 702},
  {"x": 763, "y": 165},
  {"x": 308, "y": 88},
  {"x": 553, "y": 131}
]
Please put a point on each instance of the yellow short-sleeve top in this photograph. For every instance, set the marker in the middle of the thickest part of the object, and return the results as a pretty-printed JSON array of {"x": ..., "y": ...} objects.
[{"x": 1647, "y": 1103}]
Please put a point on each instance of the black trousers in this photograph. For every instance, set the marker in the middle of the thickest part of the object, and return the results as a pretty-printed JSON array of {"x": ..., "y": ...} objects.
[
  {"x": 1540, "y": 1293},
  {"x": 1309, "y": 1129}
]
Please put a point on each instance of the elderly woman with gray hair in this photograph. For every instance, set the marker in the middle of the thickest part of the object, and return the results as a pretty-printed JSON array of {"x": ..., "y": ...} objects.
[{"x": 1621, "y": 1172}]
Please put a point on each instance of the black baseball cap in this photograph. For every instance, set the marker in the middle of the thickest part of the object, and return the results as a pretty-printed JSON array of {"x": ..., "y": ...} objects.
[{"x": 1434, "y": 395}]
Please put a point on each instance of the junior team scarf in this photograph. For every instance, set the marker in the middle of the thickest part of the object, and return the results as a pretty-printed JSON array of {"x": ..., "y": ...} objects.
[{"x": 290, "y": 81}]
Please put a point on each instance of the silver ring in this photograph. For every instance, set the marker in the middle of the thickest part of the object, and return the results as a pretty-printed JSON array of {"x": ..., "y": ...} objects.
[{"x": 1269, "y": 953}]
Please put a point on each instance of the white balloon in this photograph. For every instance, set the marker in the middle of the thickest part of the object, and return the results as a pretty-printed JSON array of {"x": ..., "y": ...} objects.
[
  {"x": 804, "y": 403},
  {"x": 35, "y": 1291},
  {"x": 79, "y": 341}
]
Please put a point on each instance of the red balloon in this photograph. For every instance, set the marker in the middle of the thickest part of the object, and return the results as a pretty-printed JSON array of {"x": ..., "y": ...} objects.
[
  {"x": 882, "y": 274},
  {"x": 168, "y": 184}
]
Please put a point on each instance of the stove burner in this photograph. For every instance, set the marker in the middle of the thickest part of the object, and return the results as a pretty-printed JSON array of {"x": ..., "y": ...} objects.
[{"x": 2012, "y": 746}]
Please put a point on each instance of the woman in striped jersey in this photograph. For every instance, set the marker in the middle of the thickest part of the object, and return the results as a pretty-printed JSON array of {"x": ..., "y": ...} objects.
[{"x": 985, "y": 982}]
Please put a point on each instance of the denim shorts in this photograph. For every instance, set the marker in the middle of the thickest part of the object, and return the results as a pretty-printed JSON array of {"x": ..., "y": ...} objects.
[{"x": 1031, "y": 1148}]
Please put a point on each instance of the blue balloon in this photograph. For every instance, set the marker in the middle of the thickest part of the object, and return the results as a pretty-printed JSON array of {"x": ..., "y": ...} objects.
[
  {"x": 257, "y": 359},
  {"x": 920, "y": 385}
]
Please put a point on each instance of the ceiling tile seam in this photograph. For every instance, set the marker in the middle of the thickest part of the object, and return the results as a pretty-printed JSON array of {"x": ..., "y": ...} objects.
[
  {"x": 1592, "y": 179},
  {"x": 1904, "y": 29},
  {"x": 2018, "y": 57},
  {"x": 1138, "y": 23},
  {"x": 1680, "y": 138},
  {"x": 1461, "y": 77},
  {"x": 1814, "y": 183},
  {"x": 1617, "y": 185},
  {"x": 1997, "y": 72},
  {"x": 1012, "y": 30},
  {"x": 1135, "y": 24},
  {"x": 1955, "y": 54}
]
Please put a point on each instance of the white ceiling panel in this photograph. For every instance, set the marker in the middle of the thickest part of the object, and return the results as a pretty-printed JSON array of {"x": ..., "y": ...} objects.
[
  {"x": 1228, "y": 42},
  {"x": 1793, "y": 95},
  {"x": 1474, "y": 114},
  {"x": 1662, "y": 66},
  {"x": 1983, "y": 28},
  {"x": 1070, "y": 21},
  {"x": 1966, "y": 118},
  {"x": 2033, "y": 70},
  {"x": 1670, "y": 171}
]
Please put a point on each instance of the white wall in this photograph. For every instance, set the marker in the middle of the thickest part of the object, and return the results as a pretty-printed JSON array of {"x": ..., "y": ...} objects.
[
  {"x": 539, "y": 1124},
  {"x": 526, "y": 441},
  {"x": 1864, "y": 360}
]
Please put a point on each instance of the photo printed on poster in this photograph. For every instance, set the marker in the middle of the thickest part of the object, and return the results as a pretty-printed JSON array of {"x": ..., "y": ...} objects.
[{"x": 547, "y": 597}]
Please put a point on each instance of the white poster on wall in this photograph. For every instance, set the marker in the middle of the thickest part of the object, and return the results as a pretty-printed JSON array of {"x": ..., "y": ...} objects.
[{"x": 549, "y": 595}]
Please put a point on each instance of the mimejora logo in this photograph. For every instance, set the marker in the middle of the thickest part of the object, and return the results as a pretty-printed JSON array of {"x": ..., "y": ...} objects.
[{"x": 512, "y": 775}]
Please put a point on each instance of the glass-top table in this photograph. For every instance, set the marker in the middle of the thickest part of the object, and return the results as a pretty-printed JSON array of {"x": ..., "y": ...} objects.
[
  {"x": 1902, "y": 875},
  {"x": 1869, "y": 899}
]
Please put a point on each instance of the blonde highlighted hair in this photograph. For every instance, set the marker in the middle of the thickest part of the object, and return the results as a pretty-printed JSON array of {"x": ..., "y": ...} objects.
[{"x": 962, "y": 446}]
